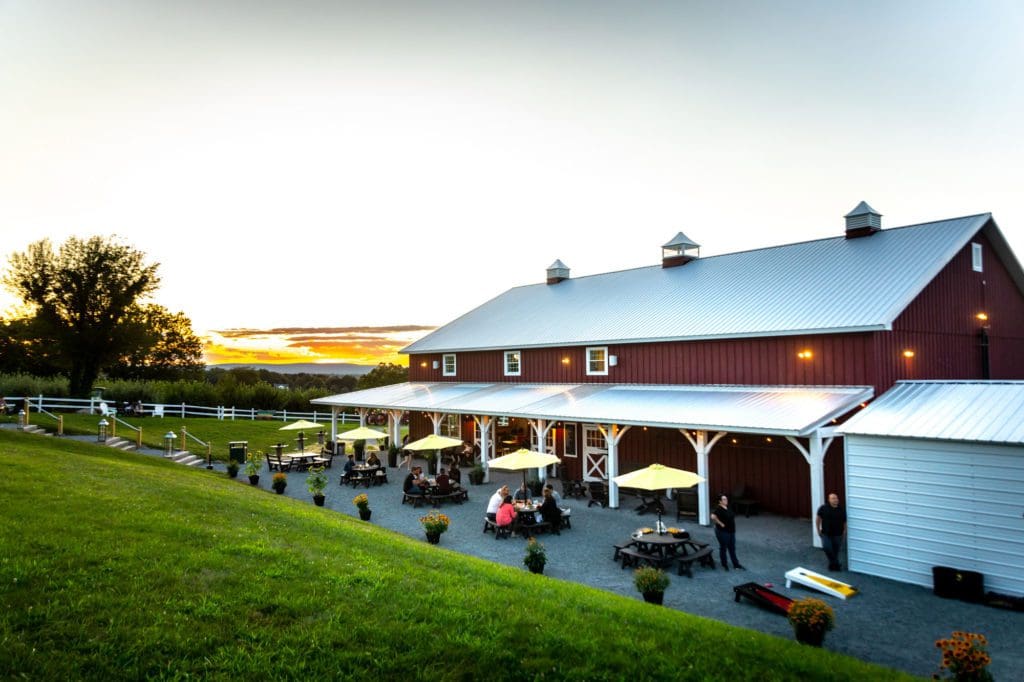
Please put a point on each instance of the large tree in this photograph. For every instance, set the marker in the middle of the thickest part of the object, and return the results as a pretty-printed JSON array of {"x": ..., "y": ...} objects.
[
  {"x": 384, "y": 374},
  {"x": 80, "y": 297},
  {"x": 158, "y": 344}
]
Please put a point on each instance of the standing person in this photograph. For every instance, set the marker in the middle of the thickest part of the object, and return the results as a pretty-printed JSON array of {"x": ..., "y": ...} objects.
[
  {"x": 831, "y": 522},
  {"x": 725, "y": 532}
]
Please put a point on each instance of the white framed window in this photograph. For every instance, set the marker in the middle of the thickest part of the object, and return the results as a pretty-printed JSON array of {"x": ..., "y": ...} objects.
[
  {"x": 976, "y": 263},
  {"x": 597, "y": 361},
  {"x": 448, "y": 364},
  {"x": 549, "y": 441},
  {"x": 451, "y": 426},
  {"x": 513, "y": 363},
  {"x": 569, "y": 445}
]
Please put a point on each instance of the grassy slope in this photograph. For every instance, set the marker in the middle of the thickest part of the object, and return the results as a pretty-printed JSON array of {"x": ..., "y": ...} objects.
[{"x": 115, "y": 565}]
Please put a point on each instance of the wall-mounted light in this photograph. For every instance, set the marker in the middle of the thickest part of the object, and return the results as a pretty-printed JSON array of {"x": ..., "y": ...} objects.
[
  {"x": 805, "y": 355},
  {"x": 613, "y": 360},
  {"x": 768, "y": 438},
  {"x": 863, "y": 404},
  {"x": 982, "y": 316},
  {"x": 423, "y": 364},
  {"x": 734, "y": 441},
  {"x": 565, "y": 361},
  {"x": 436, "y": 364},
  {"x": 908, "y": 353},
  {"x": 645, "y": 428}
]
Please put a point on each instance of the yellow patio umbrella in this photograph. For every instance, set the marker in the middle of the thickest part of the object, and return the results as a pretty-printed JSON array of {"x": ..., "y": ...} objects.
[
  {"x": 433, "y": 442},
  {"x": 362, "y": 433},
  {"x": 658, "y": 477},
  {"x": 523, "y": 459},
  {"x": 301, "y": 426}
]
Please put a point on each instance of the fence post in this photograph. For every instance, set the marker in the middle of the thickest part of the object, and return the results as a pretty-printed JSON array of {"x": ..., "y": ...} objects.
[
  {"x": 138, "y": 438},
  {"x": 40, "y": 407},
  {"x": 183, "y": 415},
  {"x": 252, "y": 411},
  {"x": 28, "y": 410},
  {"x": 183, "y": 434},
  {"x": 285, "y": 417},
  {"x": 60, "y": 425}
]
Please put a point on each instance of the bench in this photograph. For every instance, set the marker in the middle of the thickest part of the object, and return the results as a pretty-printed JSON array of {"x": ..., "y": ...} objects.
[
  {"x": 413, "y": 498},
  {"x": 702, "y": 555},
  {"x": 632, "y": 557},
  {"x": 526, "y": 530},
  {"x": 619, "y": 548},
  {"x": 499, "y": 531}
]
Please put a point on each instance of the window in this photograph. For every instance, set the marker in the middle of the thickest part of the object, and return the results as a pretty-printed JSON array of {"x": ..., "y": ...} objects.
[
  {"x": 549, "y": 441},
  {"x": 976, "y": 257},
  {"x": 451, "y": 426},
  {"x": 597, "y": 361},
  {"x": 513, "y": 363},
  {"x": 448, "y": 363},
  {"x": 570, "y": 440}
]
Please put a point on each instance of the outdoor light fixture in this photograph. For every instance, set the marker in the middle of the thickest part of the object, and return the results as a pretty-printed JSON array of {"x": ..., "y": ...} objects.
[
  {"x": 21, "y": 419},
  {"x": 423, "y": 364},
  {"x": 101, "y": 435},
  {"x": 565, "y": 361},
  {"x": 982, "y": 317},
  {"x": 805, "y": 355},
  {"x": 908, "y": 353},
  {"x": 769, "y": 439},
  {"x": 734, "y": 441},
  {"x": 169, "y": 440}
]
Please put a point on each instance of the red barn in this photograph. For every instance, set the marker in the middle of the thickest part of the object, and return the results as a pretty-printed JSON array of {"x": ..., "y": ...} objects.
[{"x": 737, "y": 366}]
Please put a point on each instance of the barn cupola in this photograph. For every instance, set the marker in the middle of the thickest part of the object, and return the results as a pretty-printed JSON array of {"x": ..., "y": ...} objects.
[
  {"x": 557, "y": 271},
  {"x": 862, "y": 221},
  {"x": 679, "y": 250}
]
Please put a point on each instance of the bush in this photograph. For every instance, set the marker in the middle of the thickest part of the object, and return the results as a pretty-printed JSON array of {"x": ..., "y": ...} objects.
[
  {"x": 811, "y": 613},
  {"x": 650, "y": 579}
]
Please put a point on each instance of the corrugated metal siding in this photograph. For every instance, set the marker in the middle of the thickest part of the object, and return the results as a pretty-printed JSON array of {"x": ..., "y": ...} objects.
[
  {"x": 977, "y": 411},
  {"x": 826, "y": 285},
  {"x": 915, "y": 504}
]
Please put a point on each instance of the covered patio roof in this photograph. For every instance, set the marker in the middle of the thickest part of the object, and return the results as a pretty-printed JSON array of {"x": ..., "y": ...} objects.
[{"x": 790, "y": 411}]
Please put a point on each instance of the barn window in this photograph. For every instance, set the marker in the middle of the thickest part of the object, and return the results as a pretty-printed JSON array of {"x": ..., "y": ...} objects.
[
  {"x": 597, "y": 361},
  {"x": 976, "y": 257},
  {"x": 448, "y": 364},
  {"x": 513, "y": 363}
]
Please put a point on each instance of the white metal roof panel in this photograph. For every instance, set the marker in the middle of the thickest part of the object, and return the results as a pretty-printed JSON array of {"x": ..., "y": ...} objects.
[
  {"x": 825, "y": 286},
  {"x": 979, "y": 411},
  {"x": 740, "y": 409}
]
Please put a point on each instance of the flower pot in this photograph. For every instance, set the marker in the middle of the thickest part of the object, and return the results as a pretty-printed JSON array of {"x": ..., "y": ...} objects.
[
  {"x": 318, "y": 500},
  {"x": 364, "y": 514},
  {"x": 654, "y": 597},
  {"x": 433, "y": 538},
  {"x": 476, "y": 478},
  {"x": 279, "y": 489},
  {"x": 254, "y": 479},
  {"x": 232, "y": 472},
  {"x": 809, "y": 636},
  {"x": 536, "y": 568}
]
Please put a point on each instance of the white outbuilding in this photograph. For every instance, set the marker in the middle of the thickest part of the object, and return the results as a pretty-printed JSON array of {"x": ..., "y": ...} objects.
[{"x": 935, "y": 477}]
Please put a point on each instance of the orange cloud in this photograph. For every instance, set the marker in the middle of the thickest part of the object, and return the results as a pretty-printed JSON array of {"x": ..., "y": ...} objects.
[{"x": 359, "y": 345}]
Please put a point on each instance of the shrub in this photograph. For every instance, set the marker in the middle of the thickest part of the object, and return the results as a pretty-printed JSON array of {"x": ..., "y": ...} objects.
[
  {"x": 650, "y": 579},
  {"x": 536, "y": 555},
  {"x": 316, "y": 482},
  {"x": 435, "y": 522},
  {"x": 361, "y": 501},
  {"x": 812, "y": 614},
  {"x": 964, "y": 656}
]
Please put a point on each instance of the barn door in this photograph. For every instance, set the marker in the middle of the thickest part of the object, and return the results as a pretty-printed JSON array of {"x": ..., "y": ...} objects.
[{"x": 595, "y": 454}]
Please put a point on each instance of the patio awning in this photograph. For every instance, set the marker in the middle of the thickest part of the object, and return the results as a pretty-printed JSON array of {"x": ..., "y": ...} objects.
[{"x": 782, "y": 410}]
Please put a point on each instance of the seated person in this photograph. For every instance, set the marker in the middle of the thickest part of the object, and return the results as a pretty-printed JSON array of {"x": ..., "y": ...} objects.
[
  {"x": 455, "y": 474},
  {"x": 550, "y": 512},
  {"x": 443, "y": 483},
  {"x": 554, "y": 494},
  {"x": 496, "y": 499},
  {"x": 349, "y": 465},
  {"x": 414, "y": 483},
  {"x": 137, "y": 408},
  {"x": 373, "y": 460},
  {"x": 506, "y": 513},
  {"x": 523, "y": 494}
]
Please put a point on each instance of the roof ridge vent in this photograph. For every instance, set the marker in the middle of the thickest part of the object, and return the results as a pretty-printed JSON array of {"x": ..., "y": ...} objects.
[
  {"x": 675, "y": 252},
  {"x": 557, "y": 271},
  {"x": 862, "y": 221}
]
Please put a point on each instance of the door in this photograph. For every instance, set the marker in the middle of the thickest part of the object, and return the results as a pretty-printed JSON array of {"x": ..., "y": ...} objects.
[{"x": 595, "y": 454}]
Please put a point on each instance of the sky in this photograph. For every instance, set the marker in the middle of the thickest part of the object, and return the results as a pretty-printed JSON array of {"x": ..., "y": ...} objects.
[{"x": 329, "y": 180}]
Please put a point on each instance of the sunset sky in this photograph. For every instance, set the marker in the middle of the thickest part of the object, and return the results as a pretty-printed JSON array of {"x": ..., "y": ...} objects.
[{"x": 328, "y": 180}]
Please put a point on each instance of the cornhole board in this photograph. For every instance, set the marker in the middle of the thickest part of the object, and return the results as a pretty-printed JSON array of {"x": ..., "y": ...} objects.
[
  {"x": 817, "y": 581},
  {"x": 763, "y": 597}
]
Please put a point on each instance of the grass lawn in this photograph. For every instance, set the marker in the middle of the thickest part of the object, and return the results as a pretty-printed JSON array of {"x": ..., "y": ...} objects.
[
  {"x": 118, "y": 566},
  {"x": 259, "y": 433}
]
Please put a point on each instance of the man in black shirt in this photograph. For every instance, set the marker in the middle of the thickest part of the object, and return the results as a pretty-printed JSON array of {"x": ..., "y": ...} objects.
[
  {"x": 831, "y": 523},
  {"x": 725, "y": 532}
]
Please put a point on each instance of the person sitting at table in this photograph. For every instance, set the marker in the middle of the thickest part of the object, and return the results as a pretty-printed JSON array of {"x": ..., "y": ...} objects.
[
  {"x": 349, "y": 465},
  {"x": 523, "y": 494},
  {"x": 495, "y": 502},
  {"x": 443, "y": 483},
  {"x": 373, "y": 460},
  {"x": 414, "y": 483},
  {"x": 550, "y": 512},
  {"x": 455, "y": 473},
  {"x": 506, "y": 513},
  {"x": 554, "y": 494}
]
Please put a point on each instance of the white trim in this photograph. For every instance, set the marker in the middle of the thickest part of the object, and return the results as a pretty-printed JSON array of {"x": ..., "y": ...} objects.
[
  {"x": 519, "y": 363},
  {"x": 444, "y": 365},
  {"x": 976, "y": 262},
  {"x": 587, "y": 360}
]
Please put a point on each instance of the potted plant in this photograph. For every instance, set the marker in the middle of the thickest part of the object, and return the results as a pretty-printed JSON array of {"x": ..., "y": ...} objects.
[
  {"x": 964, "y": 657},
  {"x": 362, "y": 503},
  {"x": 232, "y": 468},
  {"x": 476, "y": 474},
  {"x": 811, "y": 618},
  {"x": 316, "y": 482},
  {"x": 393, "y": 456},
  {"x": 252, "y": 467},
  {"x": 651, "y": 583},
  {"x": 279, "y": 482},
  {"x": 535, "y": 557},
  {"x": 434, "y": 524}
]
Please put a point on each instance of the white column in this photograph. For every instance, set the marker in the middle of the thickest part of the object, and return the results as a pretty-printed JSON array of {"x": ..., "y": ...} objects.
[
  {"x": 334, "y": 422},
  {"x": 703, "y": 448},
  {"x": 435, "y": 419},
  {"x": 484, "y": 423},
  {"x": 612, "y": 435},
  {"x": 363, "y": 411},
  {"x": 816, "y": 460},
  {"x": 395, "y": 426},
  {"x": 540, "y": 428}
]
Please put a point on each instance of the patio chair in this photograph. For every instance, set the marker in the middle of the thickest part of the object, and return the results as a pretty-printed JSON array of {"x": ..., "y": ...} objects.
[
  {"x": 277, "y": 463},
  {"x": 598, "y": 494},
  {"x": 743, "y": 502},
  {"x": 325, "y": 458},
  {"x": 686, "y": 502}
]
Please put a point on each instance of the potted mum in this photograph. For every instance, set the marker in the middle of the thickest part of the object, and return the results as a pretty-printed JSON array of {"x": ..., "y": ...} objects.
[
  {"x": 811, "y": 618},
  {"x": 536, "y": 556},
  {"x": 362, "y": 503},
  {"x": 279, "y": 482},
  {"x": 316, "y": 482},
  {"x": 964, "y": 657},
  {"x": 651, "y": 583},
  {"x": 476, "y": 474},
  {"x": 252, "y": 467},
  {"x": 232, "y": 468},
  {"x": 434, "y": 524}
]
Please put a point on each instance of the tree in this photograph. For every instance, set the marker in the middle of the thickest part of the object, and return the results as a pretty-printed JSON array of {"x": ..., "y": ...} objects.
[
  {"x": 384, "y": 374},
  {"x": 80, "y": 297},
  {"x": 158, "y": 344}
]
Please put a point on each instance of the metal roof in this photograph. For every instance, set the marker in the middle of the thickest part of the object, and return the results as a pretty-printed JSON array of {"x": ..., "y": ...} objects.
[
  {"x": 739, "y": 409},
  {"x": 978, "y": 411},
  {"x": 825, "y": 286}
]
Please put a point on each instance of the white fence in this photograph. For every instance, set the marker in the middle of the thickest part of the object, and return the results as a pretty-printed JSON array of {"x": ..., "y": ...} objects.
[{"x": 94, "y": 406}]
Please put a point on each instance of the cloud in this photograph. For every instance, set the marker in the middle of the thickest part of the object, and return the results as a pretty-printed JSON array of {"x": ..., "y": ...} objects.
[{"x": 288, "y": 331}]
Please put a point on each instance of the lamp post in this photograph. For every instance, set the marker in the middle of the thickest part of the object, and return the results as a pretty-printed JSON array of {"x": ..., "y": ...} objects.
[
  {"x": 101, "y": 436},
  {"x": 21, "y": 419},
  {"x": 169, "y": 440}
]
